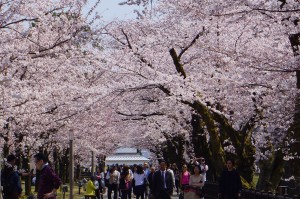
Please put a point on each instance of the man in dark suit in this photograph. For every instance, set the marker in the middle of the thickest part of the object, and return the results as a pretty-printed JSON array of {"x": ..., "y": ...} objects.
[{"x": 162, "y": 183}]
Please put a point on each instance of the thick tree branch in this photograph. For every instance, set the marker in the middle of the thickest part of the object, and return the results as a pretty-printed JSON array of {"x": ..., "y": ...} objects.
[
  {"x": 176, "y": 58},
  {"x": 140, "y": 115},
  {"x": 176, "y": 61},
  {"x": 192, "y": 43}
]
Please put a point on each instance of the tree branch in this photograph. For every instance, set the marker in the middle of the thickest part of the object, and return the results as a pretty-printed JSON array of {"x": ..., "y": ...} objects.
[
  {"x": 176, "y": 61},
  {"x": 18, "y": 21},
  {"x": 192, "y": 43}
]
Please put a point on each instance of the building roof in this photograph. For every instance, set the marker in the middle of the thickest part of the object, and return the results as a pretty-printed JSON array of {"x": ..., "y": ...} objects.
[
  {"x": 126, "y": 150},
  {"x": 128, "y": 156}
]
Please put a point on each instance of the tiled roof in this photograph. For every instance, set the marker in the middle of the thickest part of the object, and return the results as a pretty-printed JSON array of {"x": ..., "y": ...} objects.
[
  {"x": 126, "y": 150},
  {"x": 126, "y": 158}
]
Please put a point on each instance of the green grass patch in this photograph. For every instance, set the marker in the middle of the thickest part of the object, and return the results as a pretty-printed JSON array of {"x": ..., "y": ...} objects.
[{"x": 60, "y": 194}]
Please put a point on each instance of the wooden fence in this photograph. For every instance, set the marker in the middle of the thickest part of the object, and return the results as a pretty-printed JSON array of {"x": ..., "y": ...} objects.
[{"x": 211, "y": 192}]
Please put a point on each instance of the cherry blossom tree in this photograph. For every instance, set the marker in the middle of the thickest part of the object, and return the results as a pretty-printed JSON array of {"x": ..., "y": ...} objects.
[
  {"x": 236, "y": 65},
  {"x": 46, "y": 63},
  {"x": 220, "y": 74}
]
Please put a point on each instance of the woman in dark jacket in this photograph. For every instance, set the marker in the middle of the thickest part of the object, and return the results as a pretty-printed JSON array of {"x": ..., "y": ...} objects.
[
  {"x": 10, "y": 179},
  {"x": 230, "y": 185}
]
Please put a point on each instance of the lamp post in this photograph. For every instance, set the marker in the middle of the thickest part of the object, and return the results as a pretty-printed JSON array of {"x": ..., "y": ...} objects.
[
  {"x": 0, "y": 174},
  {"x": 71, "y": 138},
  {"x": 93, "y": 166}
]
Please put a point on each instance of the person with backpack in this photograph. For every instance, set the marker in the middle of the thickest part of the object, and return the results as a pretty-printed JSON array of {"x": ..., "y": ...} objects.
[
  {"x": 125, "y": 183},
  {"x": 10, "y": 179}
]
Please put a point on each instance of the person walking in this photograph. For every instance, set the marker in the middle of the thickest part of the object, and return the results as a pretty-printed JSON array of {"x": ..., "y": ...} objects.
[
  {"x": 230, "y": 184},
  {"x": 49, "y": 182},
  {"x": 100, "y": 178},
  {"x": 172, "y": 173},
  {"x": 10, "y": 179},
  {"x": 184, "y": 177},
  {"x": 147, "y": 172},
  {"x": 125, "y": 183},
  {"x": 139, "y": 184},
  {"x": 113, "y": 177},
  {"x": 196, "y": 182},
  {"x": 204, "y": 167},
  {"x": 176, "y": 175},
  {"x": 162, "y": 182},
  {"x": 150, "y": 177}
]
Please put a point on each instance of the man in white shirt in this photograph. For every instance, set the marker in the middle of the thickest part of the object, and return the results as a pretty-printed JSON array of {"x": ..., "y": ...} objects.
[
  {"x": 113, "y": 177},
  {"x": 172, "y": 173}
]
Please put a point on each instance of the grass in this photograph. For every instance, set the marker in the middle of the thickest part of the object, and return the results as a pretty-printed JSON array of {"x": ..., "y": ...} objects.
[{"x": 59, "y": 193}]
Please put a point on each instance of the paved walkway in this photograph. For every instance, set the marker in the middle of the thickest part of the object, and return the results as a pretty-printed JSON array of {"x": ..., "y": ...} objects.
[{"x": 174, "y": 196}]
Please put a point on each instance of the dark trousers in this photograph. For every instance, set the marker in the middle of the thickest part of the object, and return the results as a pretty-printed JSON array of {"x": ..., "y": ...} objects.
[
  {"x": 11, "y": 196},
  {"x": 177, "y": 185},
  {"x": 98, "y": 193},
  {"x": 114, "y": 188},
  {"x": 229, "y": 196},
  {"x": 126, "y": 194},
  {"x": 138, "y": 196},
  {"x": 163, "y": 194}
]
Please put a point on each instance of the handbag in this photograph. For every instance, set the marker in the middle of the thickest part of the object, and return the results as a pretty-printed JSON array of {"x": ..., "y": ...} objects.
[{"x": 200, "y": 192}]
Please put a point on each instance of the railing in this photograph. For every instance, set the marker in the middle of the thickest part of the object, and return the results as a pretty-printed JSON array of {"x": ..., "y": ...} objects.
[{"x": 211, "y": 192}]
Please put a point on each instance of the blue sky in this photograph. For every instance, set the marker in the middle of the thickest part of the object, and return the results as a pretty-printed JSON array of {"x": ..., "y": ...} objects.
[{"x": 110, "y": 10}]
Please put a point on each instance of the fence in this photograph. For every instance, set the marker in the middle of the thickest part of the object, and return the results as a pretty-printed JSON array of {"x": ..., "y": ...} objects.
[{"x": 211, "y": 192}]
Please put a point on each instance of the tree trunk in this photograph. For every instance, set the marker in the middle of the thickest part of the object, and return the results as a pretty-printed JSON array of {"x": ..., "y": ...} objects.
[
  {"x": 201, "y": 147},
  {"x": 271, "y": 171},
  {"x": 214, "y": 142},
  {"x": 293, "y": 164},
  {"x": 174, "y": 150}
]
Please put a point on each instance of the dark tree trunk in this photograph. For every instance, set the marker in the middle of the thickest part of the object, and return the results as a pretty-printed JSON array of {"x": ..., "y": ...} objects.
[{"x": 293, "y": 165}]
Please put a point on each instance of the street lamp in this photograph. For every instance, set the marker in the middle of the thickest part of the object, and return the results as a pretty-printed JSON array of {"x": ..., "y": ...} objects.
[
  {"x": 71, "y": 173},
  {"x": 93, "y": 166},
  {"x": 0, "y": 175}
]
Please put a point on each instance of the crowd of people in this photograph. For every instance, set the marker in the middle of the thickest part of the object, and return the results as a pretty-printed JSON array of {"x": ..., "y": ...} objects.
[
  {"x": 142, "y": 181},
  {"x": 147, "y": 182}
]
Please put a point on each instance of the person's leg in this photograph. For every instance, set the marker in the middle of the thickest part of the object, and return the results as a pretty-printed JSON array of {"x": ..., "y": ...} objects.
[
  {"x": 123, "y": 194},
  {"x": 146, "y": 192},
  {"x": 115, "y": 187},
  {"x": 109, "y": 191},
  {"x": 177, "y": 185},
  {"x": 166, "y": 195},
  {"x": 129, "y": 193}
]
